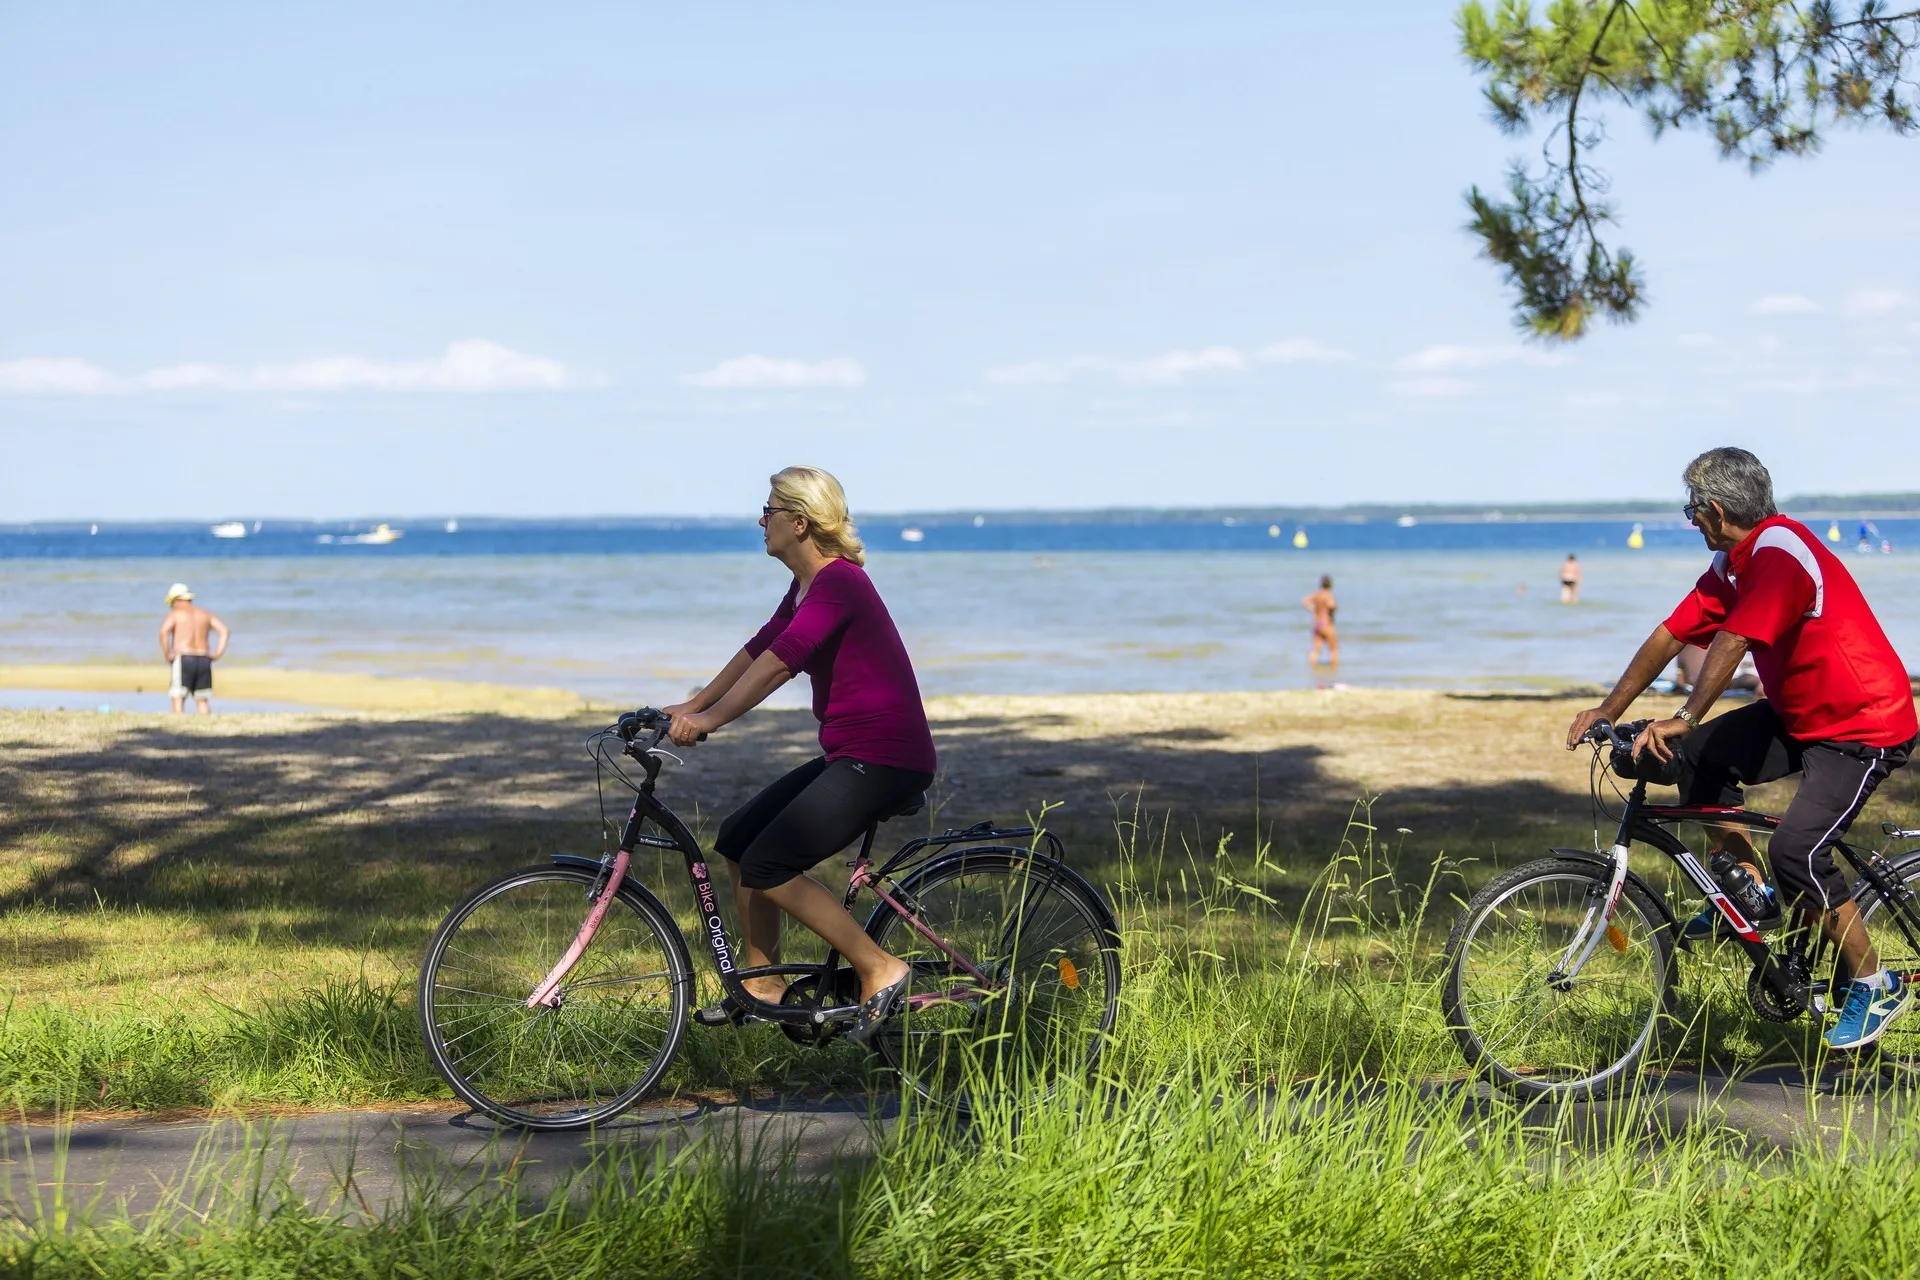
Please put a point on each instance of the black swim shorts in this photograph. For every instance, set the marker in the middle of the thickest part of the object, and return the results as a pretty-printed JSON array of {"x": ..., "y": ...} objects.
[{"x": 192, "y": 674}]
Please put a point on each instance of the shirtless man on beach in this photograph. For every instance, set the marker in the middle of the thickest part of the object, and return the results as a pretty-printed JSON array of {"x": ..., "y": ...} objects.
[
  {"x": 183, "y": 642},
  {"x": 1570, "y": 580},
  {"x": 1321, "y": 605}
]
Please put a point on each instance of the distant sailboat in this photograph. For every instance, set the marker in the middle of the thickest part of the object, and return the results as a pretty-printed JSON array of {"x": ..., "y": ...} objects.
[
  {"x": 1636, "y": 539},
  {"x": 453, "y": 526},
  {"x": 1406, "y": 522},
  {"x": 911, "y": 534},
  {"x": 231, "y": 529}
]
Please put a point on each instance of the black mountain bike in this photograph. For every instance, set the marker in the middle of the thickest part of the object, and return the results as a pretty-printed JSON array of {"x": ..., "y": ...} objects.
[
  {"x": 1560, "y": 973},
  {"x": 555, "y": 997}
]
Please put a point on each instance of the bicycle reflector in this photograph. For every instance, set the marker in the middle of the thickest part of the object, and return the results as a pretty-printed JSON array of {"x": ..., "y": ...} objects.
[
  {"x": 1616, "y": 939},
  {"x": 1069, "y": 974}
]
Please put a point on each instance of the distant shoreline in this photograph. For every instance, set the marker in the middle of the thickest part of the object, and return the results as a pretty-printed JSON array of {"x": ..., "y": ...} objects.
[{"x": 1819, "y": 506}]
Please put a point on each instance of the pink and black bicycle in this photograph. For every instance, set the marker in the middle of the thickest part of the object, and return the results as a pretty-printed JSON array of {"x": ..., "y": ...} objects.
[{"x": 555, "y": 997}]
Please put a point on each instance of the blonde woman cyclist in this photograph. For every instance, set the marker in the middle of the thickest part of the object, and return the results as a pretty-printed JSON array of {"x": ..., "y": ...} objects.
[{"x": 876, "y": 750}]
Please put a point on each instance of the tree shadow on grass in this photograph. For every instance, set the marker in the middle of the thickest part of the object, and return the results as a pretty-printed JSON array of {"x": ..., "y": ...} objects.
[{"x": 358, "y": 827}]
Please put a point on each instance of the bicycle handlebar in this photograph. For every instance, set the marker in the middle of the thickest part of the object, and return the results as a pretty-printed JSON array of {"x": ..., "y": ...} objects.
[{"x": 1605, "y": 733}]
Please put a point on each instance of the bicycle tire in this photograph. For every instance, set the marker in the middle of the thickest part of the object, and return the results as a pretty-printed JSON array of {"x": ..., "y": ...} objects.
[
  {"x": 623, "y": 1008},
  {"x": 1017, "y": 915},
  {"x": 1899, "y": 1046},
  {"x": 1526, "y": 1032}
]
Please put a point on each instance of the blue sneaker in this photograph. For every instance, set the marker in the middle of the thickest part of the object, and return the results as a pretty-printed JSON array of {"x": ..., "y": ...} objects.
[
  {"x": 1869, "y": 1011},
  {"x": 1709, "y": 923}
]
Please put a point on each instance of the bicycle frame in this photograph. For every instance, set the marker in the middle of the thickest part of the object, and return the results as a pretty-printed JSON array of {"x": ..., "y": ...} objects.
[
  {"x": 648, "y": 807},
  {"x": 1787, "y": 974}
]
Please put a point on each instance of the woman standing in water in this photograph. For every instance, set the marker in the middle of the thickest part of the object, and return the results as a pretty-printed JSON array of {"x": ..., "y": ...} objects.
[
  {"x": 876, "y": 750},
  {"x": 1321, "y": 605}
]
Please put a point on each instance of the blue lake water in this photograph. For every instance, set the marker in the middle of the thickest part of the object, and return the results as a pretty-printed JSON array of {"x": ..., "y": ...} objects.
[{"x": 641, "y": 612}]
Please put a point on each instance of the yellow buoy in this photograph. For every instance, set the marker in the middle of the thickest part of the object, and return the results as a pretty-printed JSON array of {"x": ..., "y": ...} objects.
[
  {"x": 1636, "y": 540},
  {"x": 1833, "y": 532},
  {"x": 1300, "y": 538},
  {"x": 1273, "y": 531}
]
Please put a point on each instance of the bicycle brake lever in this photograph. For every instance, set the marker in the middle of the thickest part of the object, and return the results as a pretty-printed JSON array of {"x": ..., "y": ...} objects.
[{"x": 662, "y": 751}]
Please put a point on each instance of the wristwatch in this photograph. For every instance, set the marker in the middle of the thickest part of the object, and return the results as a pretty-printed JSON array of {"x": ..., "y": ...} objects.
[{"x": 1693, "y": 721}]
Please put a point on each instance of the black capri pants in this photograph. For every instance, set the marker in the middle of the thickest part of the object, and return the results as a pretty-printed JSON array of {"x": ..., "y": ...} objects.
[
  {"x": 1751, "y": 746},
  {"x": 811, "y": 813}
]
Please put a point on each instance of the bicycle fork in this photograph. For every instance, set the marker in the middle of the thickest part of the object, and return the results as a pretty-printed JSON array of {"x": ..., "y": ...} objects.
[{"x": 1598, "y": 923}]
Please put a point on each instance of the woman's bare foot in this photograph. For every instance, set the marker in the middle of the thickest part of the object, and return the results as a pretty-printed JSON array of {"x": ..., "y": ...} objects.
[
  {"x": 765, "y": 990},
  {"x": 871, "y": 984}
]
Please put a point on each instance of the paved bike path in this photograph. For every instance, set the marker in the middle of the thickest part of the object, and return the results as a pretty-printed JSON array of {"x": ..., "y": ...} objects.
[{"x": 362, "y": 1162}]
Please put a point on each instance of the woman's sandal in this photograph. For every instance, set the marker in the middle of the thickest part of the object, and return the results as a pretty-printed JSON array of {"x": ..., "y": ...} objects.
[{"x": 877, "y": 1008}]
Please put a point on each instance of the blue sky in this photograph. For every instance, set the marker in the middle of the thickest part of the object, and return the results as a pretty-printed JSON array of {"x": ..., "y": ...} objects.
[{"x": 350, "y": 260}]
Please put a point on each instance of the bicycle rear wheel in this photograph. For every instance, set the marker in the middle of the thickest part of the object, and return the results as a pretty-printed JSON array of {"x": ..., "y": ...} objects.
[
  {"x": 622, "y": 1009},
  {"x": 1034, "y": 990},
  {"x": 1538, "y": 1034},
  {"x": 1894, "y": 930}
]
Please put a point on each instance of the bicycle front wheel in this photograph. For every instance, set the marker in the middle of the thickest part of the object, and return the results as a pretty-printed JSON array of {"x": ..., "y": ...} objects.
[
  {"x": 1022, "y": 986},
  {"x": 622, "y": 1009},
  {"x": 1513, "y": 1010}
]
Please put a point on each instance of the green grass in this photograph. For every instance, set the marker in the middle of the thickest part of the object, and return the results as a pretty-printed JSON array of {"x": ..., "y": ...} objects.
[{"x": 1194, "y": 1182}]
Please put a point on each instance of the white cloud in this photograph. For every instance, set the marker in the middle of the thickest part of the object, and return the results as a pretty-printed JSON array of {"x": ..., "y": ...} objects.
[
  {"x": 1784, "y": 304},
  {"x": 56, "y": 375},
  {"x": 1439, "y": 359},
  {"x": 1165, "y": 369},
  {"x": 472, "y": 365},
  {"x": 763, "y": 372},
  {"x": 1875, "y": 302},
  {"x": 1175, "y": 366},
  {"x": 1047, "y": 372},
  {"x": 1298, "y": 350},
  {"x": 1431, "y": 388}
]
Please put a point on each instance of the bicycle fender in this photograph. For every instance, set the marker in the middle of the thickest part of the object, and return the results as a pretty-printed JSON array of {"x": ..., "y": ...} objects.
[
  {"x": 911, "y": 881},
  {"x": 1633, "y": 877}
]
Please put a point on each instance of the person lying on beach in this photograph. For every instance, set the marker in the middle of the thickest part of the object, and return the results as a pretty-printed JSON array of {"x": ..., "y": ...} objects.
[
  {"x": 876, "y": 749},
  {"x": 183, "y": 642},
  {"x": 1321, "y": 605}
]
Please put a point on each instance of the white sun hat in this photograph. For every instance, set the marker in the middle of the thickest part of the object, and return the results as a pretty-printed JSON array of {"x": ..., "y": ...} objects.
[{"x": 178, "y": 591}]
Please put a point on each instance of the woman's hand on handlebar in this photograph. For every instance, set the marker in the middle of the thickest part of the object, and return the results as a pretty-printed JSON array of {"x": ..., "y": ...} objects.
[
  {"x": 679, "y": 709},
  {"x": 690, "y": 727},
  {"x": 1583, "y": 723}
]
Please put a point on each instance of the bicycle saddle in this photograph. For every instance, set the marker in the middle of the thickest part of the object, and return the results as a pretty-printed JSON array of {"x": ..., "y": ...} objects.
[{"x": 907, "y": 808}]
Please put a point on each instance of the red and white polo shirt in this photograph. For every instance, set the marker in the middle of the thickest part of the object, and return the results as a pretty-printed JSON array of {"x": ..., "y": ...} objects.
[{"x": 1827, "y": 667}]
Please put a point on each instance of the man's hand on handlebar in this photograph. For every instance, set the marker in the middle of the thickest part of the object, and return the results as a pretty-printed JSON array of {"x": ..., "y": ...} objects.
[
  {"x": 1659, "y": 738},
  {"x": 1583, "y": 725}
]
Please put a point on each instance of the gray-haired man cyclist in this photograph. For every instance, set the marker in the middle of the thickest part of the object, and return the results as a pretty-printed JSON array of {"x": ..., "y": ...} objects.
[{"x": 1839, "y": 708}]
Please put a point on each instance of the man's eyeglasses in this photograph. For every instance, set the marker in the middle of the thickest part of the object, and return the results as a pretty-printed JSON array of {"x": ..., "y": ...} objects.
[{"x": 1692, "y": 512}]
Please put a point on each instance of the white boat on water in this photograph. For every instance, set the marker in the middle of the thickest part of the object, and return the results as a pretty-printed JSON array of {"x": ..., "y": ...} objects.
[
  {"x": 911, "y": 534},
  {"x": 1406, "y": 522},
  {"x": 453, "y": 526},
  {"x": 379, "y": 536},
  {"x": 231, "y": 529}
]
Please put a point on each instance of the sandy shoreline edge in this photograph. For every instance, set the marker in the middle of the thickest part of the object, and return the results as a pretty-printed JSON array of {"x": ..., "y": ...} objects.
[{"x": 322, "y": 690}]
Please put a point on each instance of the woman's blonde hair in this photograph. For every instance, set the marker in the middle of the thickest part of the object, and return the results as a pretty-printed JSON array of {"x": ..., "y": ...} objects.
[{"x": 816, "y": 495}]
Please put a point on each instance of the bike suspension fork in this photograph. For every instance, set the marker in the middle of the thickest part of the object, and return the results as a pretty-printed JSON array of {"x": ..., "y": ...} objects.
[{"x": 1598, "y": 923}]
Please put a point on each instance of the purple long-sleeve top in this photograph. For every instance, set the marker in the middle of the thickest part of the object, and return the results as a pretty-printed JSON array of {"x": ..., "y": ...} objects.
[{"x": 864, "y": 694}]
